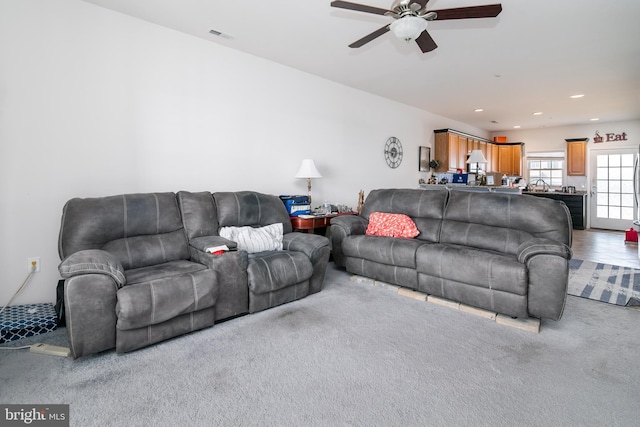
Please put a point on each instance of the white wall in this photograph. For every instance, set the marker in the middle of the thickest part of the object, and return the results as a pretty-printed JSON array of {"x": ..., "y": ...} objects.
[{"x": 94, "y": 103}]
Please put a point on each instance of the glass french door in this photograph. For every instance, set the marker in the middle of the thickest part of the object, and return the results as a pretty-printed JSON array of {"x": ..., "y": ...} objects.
[{"x": 612, "y": 193}]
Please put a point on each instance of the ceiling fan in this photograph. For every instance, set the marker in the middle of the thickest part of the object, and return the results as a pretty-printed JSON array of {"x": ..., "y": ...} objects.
[{"x": 411, "y": 16}]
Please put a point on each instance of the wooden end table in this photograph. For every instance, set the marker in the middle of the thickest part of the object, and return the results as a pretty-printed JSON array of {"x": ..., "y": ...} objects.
[{"x": 310, "y": 224}]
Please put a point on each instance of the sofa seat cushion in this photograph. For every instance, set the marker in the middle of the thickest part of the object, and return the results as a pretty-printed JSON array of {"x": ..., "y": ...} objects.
[
  {"x": 472, "y": 266},
  {"x": 163, "y": 297},
  {"x": 384, "y": 250},
  {"x": 164, "y": 270},
  {"x": 272, "y": 271}
]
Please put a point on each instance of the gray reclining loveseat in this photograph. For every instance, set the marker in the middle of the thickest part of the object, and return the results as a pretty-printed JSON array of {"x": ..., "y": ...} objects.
[
  {"x": 506, "y": 253},
  {"x": 137, "y": 271}
]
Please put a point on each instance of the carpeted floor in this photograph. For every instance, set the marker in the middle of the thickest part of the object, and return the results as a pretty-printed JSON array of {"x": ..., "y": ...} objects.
[
  {"x": 353, "y": 355},
  {"x": 604, "y": 282}
]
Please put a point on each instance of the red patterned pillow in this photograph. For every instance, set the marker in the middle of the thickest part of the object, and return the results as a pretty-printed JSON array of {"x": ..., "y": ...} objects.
[{"x": 391, "y": 225}]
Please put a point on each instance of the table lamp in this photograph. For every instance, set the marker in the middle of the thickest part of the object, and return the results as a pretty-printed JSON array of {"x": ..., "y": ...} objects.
[
  {"x": 477, "y": 157},
  {"x": 308, "y": 170}
]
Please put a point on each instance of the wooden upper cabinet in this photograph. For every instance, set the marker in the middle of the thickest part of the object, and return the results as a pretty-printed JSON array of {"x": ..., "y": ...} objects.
[
  {"x": 494, "y": 158},
  {"x": 517, "y": 160},
  {"x": 446, "y": 151},
  {"x": 510, "y": 159},
  {"x": 488, "y": 154},
  {"x": 577, "y": 157},
  {"x": 452, "y": 147},
  {"x": 505, "y": 159},
  {"x": 482, "y": 146},
  {"x": 463, "y": 149}
]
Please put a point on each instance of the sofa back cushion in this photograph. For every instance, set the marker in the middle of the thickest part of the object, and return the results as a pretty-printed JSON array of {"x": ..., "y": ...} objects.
[
  {"x": 424, "y": 207},
  {"x": 242, "y": 208},
  {"x": 199, "y": 214},
  {"x": 138, "y": 229},
  {"x": 501, "y": 222}
]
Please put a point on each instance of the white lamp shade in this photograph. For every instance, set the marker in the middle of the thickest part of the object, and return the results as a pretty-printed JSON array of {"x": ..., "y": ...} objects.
[
  {"x": 308, "y": 170},
  {"x": 476, "y": 156},
  {"x": 409, "y": 27}
]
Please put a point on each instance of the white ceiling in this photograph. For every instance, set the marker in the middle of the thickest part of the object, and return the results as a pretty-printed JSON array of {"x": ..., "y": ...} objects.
[{"x": 530, "y": 58}]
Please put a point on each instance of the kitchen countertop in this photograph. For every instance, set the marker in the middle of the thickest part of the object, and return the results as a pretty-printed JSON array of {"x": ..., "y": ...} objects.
[
  {"x": 478, "y": 188},
  {"x": 561, "y": 193}
]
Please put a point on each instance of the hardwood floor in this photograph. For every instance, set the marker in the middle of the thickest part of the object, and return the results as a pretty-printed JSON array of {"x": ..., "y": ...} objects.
[{"x": 605, "y": 246}]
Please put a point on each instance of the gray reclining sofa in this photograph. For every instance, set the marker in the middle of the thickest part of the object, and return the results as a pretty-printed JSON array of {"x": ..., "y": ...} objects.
[
  {"x": 506, "y": 253},
  {"x": 136, "y": 270}
]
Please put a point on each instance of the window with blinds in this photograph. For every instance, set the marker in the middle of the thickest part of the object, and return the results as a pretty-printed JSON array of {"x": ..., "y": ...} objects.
[{"x": 547, "y": 166}]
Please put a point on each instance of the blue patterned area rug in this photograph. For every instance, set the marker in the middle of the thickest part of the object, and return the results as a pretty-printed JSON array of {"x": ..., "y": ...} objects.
[{"x": 604, "y": 282}]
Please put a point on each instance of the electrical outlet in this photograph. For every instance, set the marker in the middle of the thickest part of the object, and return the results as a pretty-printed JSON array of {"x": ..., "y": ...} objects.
[{"x": 31, "y": 262}]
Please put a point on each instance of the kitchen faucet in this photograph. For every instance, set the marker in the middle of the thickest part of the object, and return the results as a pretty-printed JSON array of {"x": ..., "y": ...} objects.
[{"x": 544, "y": 184}]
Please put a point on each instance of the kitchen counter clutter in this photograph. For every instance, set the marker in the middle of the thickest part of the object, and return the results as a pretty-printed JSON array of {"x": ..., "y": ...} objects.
[
  {"x": 476, "y": 188},
  {"x": 505, "y": 253}
]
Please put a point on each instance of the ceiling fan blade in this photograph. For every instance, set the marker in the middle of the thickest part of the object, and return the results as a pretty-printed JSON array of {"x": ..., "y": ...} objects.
[
  {"x": 486, "y": 11},
  {"x": 359, "y": 7},
  {"x": 366, "y": 39},
  {"x": 425, "y": 42}
]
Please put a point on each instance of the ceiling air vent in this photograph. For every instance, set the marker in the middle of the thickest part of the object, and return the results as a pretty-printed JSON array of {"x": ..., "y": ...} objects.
[{"x": 220, "y": 34}]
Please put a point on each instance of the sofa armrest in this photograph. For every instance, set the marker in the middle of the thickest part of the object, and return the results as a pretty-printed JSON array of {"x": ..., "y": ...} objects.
[
  {"x": 350, "y": 224},
  {"x": 204, "y": 242},
  {"x": 534, "y": 247},
  {"x": 309, "y": 244},
  {"x": 314, "y": 246},
  {"x": 342, "y": 227},
  {"x": 548, "y": 269},
  {"x": 93, "y": 261},
  {"x": 233, "y": 284}
]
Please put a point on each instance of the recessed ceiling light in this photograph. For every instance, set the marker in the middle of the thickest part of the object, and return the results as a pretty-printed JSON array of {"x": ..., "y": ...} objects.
[
  {"x": 595, "y": 119},
  {"x": 537, "y": 113},
  {"x": 577, "y": 96},
  {"x": 478, "y": 110},
  {"x": 516, "y": 127}
]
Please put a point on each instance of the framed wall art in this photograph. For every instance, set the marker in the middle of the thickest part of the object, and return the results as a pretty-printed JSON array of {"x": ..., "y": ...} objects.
[{"x": 424, "y": 157}]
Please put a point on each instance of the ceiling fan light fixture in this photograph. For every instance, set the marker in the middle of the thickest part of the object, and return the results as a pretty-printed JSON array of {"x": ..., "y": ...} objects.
[{"x": 408, "y": 28}]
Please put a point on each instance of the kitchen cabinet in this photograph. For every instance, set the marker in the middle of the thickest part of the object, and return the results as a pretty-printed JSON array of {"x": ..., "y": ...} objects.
[
  {"x": 577, "y": 157},
  {"x": 494, "y": 159},
  {"x": 576, "y": 202},
  {"x": 451, "y": 149},
  {"x": 488, "y": 154},
  {"x": 446, "y": 151},
  {"x": 482, "y": 146},
  {"x": 463, "y": 149},
  {"x": 510, "y": 158}
]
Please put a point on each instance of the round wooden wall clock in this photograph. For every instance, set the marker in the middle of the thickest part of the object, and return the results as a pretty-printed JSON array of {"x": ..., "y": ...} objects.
[{"x": 393, "y": 152}]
